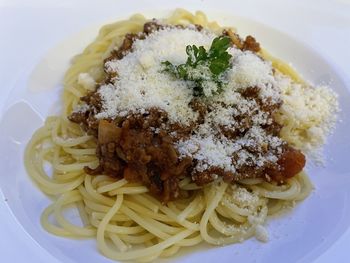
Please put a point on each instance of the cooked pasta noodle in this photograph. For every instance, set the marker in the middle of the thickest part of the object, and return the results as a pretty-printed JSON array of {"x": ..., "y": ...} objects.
[{"x": 127, "y": 222}]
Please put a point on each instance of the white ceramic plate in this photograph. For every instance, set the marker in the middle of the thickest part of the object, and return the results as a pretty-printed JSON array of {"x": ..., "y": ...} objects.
[{"x": 301, "y": 235}]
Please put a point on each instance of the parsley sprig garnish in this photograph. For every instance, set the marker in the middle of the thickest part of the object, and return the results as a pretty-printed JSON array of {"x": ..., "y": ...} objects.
[{"x": 204, "y": 68}]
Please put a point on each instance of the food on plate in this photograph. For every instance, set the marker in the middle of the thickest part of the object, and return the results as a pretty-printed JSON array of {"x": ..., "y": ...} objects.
[{"x": 176, "y": 132}]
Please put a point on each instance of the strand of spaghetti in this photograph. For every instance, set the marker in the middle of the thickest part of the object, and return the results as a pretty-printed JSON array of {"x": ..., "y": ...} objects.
[
  {"x": 173, "y": 216},
  {"x": 288, "y": 194},
  {"x": 96, "y": 206},
  {"x": 151, "y": 257},
  {"x": 228, "y": 230},
  {"x": 175, "y": 207},
  {"x": 190, "y": 208},
  {"x": 188, "y": 242},
  {"x": 115, "y": 229},
  {"x": 84, "y": 193},
  {"x": 139, "y": 239},
  {"x": 118, "y": 242},
  {"x": 66, "y": 177},
  {"x": 99, "y": 180},
  {"x": 209, "y": 210},
  {"x": 69, "y": 142},
  {"x": 68, "y": 198},
  {"x": 306, "y": 186},
  {"x": 128, "y": 223},
  {"x": 230, "y": 212},
  {"x": 156, "y": 224},
  {"x": 82, "y": 158},
  {"x": 147, "y": 203},
  {"x": 230, "y": 204},
  {"x": 112, "y": 186},
  {"x": 116, "y": 217},
  {"x": 72, "y": 128},
  {"x": 149, "y": 213},
  {"x": 222, "y": 211},
  {"x": 75, "y": 166},
  {"x": 129, "y": 190},
  {"x": 51, "y": 228},
  {"x": 273, "y": 188},
  {"x": 94, "y": 194},
  {"x": 282, "y": 66},
  {"x": 146, "y": 223},
  {"x": 276, "y": 206},
  {"x": 101, "y": 229},
  {"x": 83, "y": 215},
  {"x": 198, "y": 210},
  {"x": 168, "y": 252}
]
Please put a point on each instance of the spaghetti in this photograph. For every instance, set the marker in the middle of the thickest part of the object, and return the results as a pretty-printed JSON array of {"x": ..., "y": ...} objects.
[{"x": 127, "y": 221}]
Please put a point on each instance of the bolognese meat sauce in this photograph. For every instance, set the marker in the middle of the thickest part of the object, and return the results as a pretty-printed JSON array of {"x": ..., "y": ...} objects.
[{"x": 147, "y": 147}]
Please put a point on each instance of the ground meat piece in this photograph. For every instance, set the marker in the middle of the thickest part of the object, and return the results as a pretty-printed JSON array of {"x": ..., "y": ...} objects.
[
  {"x": 181, "y": 132},
  {"x": 248, "y": 44},
  {"x": 125, "y": 47},
  {"x": 209, "y": 175},
  {"x": 244, "y": 122},
  {"x": 87, "y": 119},
  {"x": 247, "y": 171},
  {"x": 151, "y": 26},
  {"x": 156, "y": 184},
  {"x": 198, "y": 27},
  {"x": 203, "y": 178},
  {"x": 93, "y": 99},
  {"x": 251, "y": 44},
  {"x": 199, "y": 107},
  {"x": 274, "y": 128},
  {"x": 250, "y": 92},
  {"x": 269, "y": 106},
  {"x": 230, "y": 132},
  {"x": 79, "y": 117},
  {"x": 235, "y": 39},
  {"x": 127, "y": 44},
  {"x": 152, "y": 118}
]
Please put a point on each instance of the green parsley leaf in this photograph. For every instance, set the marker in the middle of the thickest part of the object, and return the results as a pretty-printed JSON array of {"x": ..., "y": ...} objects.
[{"x": 204, "y": 68}]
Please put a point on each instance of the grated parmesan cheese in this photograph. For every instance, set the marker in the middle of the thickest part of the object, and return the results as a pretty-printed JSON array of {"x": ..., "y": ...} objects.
[
  {"x": 81, "y": 108},
  {"x": 249, "y": 70},
  {"x": 308, "y": 114},
  {"x": 86, "y": 81},
  {"x": 261, "y": 233},
  {"x": 243, "y": 198},
  {"x": 208, "y": 151},
  {"x": 140, "y": 84}
]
